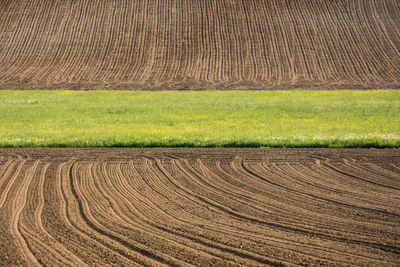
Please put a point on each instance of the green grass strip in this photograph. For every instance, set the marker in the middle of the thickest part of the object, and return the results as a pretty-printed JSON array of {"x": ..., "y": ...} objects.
[{"x": 298, "y": 118}]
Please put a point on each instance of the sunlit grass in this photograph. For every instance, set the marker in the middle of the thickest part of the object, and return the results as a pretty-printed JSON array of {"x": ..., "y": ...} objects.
[{"x": 296, "y": 118}]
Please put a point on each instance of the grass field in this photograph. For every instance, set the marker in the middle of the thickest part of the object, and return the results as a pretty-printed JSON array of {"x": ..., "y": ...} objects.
[{"x": 200, "y": 119}]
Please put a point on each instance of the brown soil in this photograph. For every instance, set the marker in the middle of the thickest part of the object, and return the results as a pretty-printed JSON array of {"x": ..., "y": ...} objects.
[
  {"x": 127, "y": 207},
  {"x": 192, "y": 44}
]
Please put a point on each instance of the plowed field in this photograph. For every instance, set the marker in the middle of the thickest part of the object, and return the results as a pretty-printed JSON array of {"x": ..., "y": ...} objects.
[
  {"x": 199, "y": 206},
  {"x": 192, "y": 44}
]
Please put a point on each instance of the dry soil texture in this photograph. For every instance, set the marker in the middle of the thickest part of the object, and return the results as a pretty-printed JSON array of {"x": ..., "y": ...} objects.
[
  {"x": 192, "y": 44},
  {"x": 127, "y": 207}
]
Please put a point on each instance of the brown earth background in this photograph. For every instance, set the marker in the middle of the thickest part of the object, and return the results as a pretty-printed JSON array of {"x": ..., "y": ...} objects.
[
  {"x": 192, "y": 44},
  {"x": 182, "y": 207}
]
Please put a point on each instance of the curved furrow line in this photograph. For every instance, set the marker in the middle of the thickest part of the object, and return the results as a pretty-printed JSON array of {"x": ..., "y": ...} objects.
[
  {"x": 314, "y": 216},
  {"x": 383, "y": 51},
  {"x": 17, "y": 205},
  {"x": 291, "y": 209},
  {"x": 9, "y": 49},
  {"x": 4, "y": 193},
  {"x": 205, "y": 34},
  {"x": 313, "y": 178},
  {"x": 381, "y": 197},
  {"x": 47, "y": 72},
  {"x": 272, "y": 198},
  {"x": 102, "y": 41},
  {"x": 44, "y": 247},
  {"x": 331, "y": 225},
  {"x": 186, "y": 220},
  {"x": 92, "y": 45},
  {"x": 30, "y": 43},
  {"x": 338, "y": 206},
  {"x": 199, "y": 200},
  {"x": 70, "y": 210},
  {"x": 249, "y": 62},
  {"x": 397, "y": 167},
  {"x": 122, "y": 202},
  {"x": 217, "y": 189},
  {"x": 127, "y": 40},
  {"x": 223, "y": 47},
  {"x": 284, "y": 28},
  {"x": 67, "y": 49},
  {"x": 385, "y": 247},
  {"x": 140, "y": 34},
  {"x": 177, "y": 222},
  {"x": 310, "y": 179},
  {"x": 258, "y": 211},
  {"x": 224, "y": 229},
  {"x": 346, "y": 172},
  {"x": 381, "y": 170},
  {"x": 173, "y": 42},
  {"x": 182, "y": 44},
  {"x": 184, "y": 181},
  {"x": 150, "y": 55},
  {"x": 110, "y": 32},
  {"x": 23, "y": 34},
  {"x": 119, "y": 212},
  {"x": 205, "y": 189},
  {"x": 198, "y": 222},
  {"x": 78, "y": 45},
  {"x": 190, "y": 44},
  {"x": 45, "y": 16},
  {"x": 91, "y": 222},
  {"x": 381, "y": 174},
  {"x": 368, "y": 39},
  {"x": 263, "y": 49},
  {"x": 78, "y": 238},
  {"x": 320, "y": 178},
  {"x": 382, "y": 42},
  {"x": 58, "y": 250},
  {"x": 324, "y": 38},
  {"x": 386, "y": 36},
  {"x": 342, "y": 217},
  {"x": 276, "y": 225},
  {"x": 121, "y": 53},
  {"x": 46, "y": 45},
  {"x": 5, "y": 171},
  {"x": 205, "y": 198},
  {"x": 217, "y": 177},
  {"x": 115, "y": 50},
  {"x": 342, "y": 50},
  {"x": 6, "y": 8},
  {"x": 162, "y": 44},
  {"x": 27, "y": 223},
  {"x": 300, "y": 45},
  {"x": 154, "y": 226},
  {"x": 273, "y": 56},
  {"x": 393, "y": 31},
  {"x": 198, "y": 207}
]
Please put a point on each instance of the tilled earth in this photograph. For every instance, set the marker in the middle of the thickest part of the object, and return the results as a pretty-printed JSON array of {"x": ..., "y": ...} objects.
[
  {"x": 192, "y": 44},
  {"x": 248, "y": 207}
]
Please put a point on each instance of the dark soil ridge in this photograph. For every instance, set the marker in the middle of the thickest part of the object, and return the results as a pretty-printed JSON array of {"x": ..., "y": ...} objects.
[
  {"x": 182, "y": 207},
  {"x": 197, "y": 45}
]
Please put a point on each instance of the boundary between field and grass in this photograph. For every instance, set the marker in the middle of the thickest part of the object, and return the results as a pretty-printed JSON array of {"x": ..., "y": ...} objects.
[{"x": 280, "y": 118}]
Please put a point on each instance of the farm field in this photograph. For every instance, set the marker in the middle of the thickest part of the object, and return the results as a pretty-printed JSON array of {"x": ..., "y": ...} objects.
[
  {"x": 233, "y": 161},
  {"x": 295, "y": 118},
  {"x": 250, "y": 207},
  {"x": 191, "y": 44}
]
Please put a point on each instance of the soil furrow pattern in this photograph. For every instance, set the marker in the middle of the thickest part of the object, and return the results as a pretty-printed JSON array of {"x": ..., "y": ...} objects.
[
  {"x": 199, "y": 207},
  {"x": 194, "y": 45}
]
